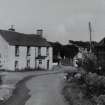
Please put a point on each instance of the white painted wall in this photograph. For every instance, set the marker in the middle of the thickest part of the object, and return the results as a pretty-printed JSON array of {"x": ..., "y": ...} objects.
[
  {"x": 44, "y": 61},
  {"x": 4, "y": 53},
  {"x": 43, "y": 51},
  {"x": 22, "y": 58},
  {"x": 50, "y": 57}
]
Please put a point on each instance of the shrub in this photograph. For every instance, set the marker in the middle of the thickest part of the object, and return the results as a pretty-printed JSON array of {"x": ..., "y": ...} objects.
[
  {"x": 101, "y": 100},
  {"x": 92, "y": 83},
  {"x": 0, "y": 79},
  {"x": 89, "y": 63}
]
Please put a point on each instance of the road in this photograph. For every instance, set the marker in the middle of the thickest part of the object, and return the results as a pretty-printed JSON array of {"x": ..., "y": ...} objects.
[
  {"x": 46, "y": 90},
  {"x": 36, "y": 88}
]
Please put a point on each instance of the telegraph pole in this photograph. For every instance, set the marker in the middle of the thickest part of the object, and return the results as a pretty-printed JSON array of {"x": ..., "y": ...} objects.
[{"x": 90, "y": 30}]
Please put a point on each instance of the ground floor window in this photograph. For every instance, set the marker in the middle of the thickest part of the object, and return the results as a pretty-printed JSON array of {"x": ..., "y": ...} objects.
[
  {"x": 40, "y": 61},
  {"x": 28, "y": 63},
  {"x": 1, "y": 60},
  {"x": 0, "y": 63},
  {"x": 47, "y": 64},
  {"x": 16, "y": 64}
]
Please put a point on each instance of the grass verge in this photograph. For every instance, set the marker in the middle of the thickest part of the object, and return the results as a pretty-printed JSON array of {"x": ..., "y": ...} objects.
[
  {"x": 74, "y": 94},
  {"x": 20, "y": 94}
]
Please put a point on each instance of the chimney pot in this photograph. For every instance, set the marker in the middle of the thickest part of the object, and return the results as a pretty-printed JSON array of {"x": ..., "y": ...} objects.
[
  {"x": 12, "y": 28},
  {"x": 40, "y": 32}
]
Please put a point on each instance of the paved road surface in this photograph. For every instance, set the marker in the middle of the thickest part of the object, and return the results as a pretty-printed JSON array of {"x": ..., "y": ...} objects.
[{"x": 46, "y": 90}]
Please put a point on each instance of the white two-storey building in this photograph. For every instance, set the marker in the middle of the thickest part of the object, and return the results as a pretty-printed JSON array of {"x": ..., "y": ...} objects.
[{"x": 20, "y": 51}]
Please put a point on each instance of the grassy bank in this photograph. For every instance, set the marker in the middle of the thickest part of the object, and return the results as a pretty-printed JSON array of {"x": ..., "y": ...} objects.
[
  {"x": 74, "y": 94},
  {"x": 20, "y": 94}
]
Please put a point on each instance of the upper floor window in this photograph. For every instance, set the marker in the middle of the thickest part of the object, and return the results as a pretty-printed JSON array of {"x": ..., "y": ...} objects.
[
  {"x": 39, "y": 51},
  {"x": 28, "y": 50},
  {"x": 16, "y": 50},
  {"x": 47, "y": 51}
]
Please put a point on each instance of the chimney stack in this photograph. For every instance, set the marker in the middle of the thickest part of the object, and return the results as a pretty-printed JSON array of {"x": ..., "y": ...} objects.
[
  {"x": 40, "y": 32},
  {"x": 12, "y": 28}
]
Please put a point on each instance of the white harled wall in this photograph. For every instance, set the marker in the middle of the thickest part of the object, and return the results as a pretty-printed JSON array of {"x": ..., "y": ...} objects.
[
  {"x": 22, "y": 58},
  {"x": 50, "y": 57},
  {"x": 3, "y": 54}
]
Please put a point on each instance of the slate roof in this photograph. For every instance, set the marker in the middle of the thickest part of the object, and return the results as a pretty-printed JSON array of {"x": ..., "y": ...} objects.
[
  {"x": 80, "y": 44},
  {"x": 83, "y": 44},
  {"x": 21, "y": 39},
  {"x": 102, "y": 43}
]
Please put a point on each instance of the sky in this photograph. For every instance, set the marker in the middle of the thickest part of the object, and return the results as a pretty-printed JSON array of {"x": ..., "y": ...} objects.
[{"x": 61, "y": 20}]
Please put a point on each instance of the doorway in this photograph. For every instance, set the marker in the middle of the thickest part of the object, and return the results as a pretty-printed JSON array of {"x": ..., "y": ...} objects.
[{"x": 47, "y": 64}]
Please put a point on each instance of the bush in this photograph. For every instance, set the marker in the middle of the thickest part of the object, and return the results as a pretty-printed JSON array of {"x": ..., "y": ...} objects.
[
  {"x": 92, "y": 83},
  {"x": 101, "y": 100},
  {"x": 95, "y": 84},
  {"x": 89, "y": 62},
  {"x": 0, "y": 79}
]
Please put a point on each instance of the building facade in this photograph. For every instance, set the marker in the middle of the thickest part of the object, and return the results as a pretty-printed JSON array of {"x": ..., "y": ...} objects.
[{"x": 20, "y": 51}]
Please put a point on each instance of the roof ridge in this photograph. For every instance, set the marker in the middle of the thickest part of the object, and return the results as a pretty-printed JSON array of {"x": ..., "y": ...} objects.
[
  {"x": 18, "y": 32},
  {"x": 16, "y": 38}
]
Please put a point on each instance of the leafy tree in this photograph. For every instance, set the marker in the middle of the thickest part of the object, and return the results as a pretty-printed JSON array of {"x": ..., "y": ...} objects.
[{"x": 68, "y": 51}]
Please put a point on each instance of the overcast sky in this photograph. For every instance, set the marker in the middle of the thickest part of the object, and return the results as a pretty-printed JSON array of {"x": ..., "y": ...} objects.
[{"x": 62, "y": 20}]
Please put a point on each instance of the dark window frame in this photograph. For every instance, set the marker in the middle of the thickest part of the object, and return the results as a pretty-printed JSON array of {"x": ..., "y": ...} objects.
[
  {"x": 40, "y": 61},
  {"x": 16, "y": 64},
  {"x": 39, "y": 51},
  {"x": 16, "y": 50},
  {"x": 28, "y": 50},
  {"x": 47, "y": 51},
  {"x": 28, "y": 63}
]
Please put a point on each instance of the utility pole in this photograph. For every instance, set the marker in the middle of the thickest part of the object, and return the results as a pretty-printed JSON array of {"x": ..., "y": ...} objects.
[{"x": 90, "y": 30}]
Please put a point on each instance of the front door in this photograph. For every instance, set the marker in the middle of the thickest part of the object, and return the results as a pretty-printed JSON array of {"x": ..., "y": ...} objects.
[
  {"x": 16, "y": 65},
  {"x": 47, "y": 64}
]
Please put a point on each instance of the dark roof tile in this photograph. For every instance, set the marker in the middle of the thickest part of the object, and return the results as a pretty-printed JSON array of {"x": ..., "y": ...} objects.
[
  {"x": 21, "y": 39},
  {"x": 102, "y": 43}
]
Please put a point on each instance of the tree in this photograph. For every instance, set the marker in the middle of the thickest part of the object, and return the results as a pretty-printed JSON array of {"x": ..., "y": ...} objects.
[{"x": 68, "y": 51}]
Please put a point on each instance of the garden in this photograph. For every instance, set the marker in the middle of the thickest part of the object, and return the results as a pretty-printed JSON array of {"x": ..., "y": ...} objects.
[{"x": 87, "y": 85}]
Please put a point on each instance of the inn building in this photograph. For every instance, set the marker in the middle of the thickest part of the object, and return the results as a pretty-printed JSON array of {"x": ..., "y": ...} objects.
[{"x": 19, "y": 51}]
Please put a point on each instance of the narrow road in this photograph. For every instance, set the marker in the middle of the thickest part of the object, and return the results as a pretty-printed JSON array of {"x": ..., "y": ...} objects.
[
  {"x": 46, "y": 90},
  {"x": 38, "y": 88}
]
